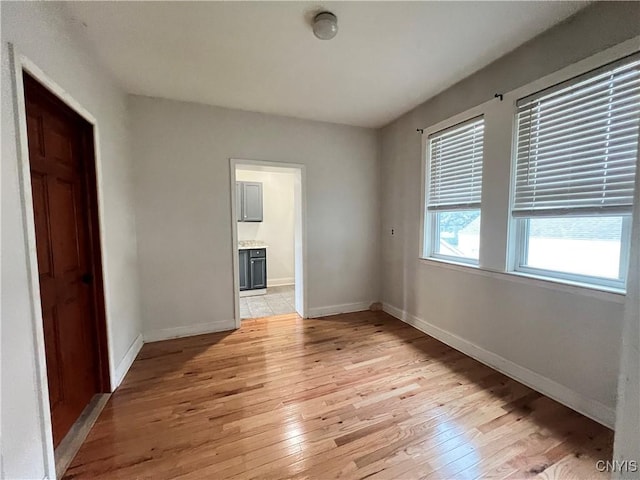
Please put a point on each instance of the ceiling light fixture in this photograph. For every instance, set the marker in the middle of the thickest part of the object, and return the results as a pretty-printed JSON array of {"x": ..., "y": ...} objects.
[{"x": 325, "y": 25}]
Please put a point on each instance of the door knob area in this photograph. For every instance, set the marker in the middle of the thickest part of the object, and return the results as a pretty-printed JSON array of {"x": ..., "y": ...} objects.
[{"x": 87, "y": 278}]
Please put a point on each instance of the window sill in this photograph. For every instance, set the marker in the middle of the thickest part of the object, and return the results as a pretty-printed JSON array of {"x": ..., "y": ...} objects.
[
  {"x": 451, "y": 262},
  {"x": 573, "y": 283},
  {"x": 604, "y": 293}
]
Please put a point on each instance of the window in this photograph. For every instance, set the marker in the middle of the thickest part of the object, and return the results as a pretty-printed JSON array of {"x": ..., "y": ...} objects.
[
  {"x": 454, "y": 187},
  {"x": 575, "y": 162}
]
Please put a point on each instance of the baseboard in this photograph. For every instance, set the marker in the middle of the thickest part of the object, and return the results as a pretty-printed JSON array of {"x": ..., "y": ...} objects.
[
  {"x": 127, "y": 361},
  {"x": 280, "y": 282},
  {"x": 189, "y": 330},
  {"x": 336, "y": 309},
  {"x": 552, "y": 389},
  {"x": 252, "y": 293},
  {"x": 75, "y": 437}
]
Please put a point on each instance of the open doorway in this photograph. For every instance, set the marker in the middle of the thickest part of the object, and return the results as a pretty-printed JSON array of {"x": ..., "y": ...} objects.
[{"x": 268, "y": 238}]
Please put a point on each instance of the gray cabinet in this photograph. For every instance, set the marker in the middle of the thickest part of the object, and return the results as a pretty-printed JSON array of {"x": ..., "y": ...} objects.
[
  {"x": 239, "y": 201},
  {"x": 258, "y": 268},
  {"x": 244, "y": 270},
  {"x": 249, "y": 201},
  {"x": 253, "y": 269}
]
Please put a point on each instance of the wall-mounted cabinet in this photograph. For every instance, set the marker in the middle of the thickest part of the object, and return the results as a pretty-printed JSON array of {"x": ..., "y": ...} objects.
[{"x": 249, "y": 201}]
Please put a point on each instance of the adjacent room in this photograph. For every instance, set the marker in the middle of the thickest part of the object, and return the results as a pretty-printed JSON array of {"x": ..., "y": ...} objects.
[
  {"x": 316, "y": 240},
  {"x": 269, "y": 219}
]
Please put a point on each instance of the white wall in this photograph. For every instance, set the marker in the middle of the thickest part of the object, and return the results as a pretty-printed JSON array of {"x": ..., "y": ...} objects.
[
  {"x": 627, "y": 438},
  {"x": 563, "y": 339},
  {"x": 182, "y": 197},
  {"x": 182, "y": 153},
  {"x": 277, "y": 226},
  {"x": 39, "y": 32}
]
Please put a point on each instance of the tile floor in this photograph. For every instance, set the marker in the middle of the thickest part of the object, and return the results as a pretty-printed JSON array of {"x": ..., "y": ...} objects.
[{"x": 277, "y": 301}]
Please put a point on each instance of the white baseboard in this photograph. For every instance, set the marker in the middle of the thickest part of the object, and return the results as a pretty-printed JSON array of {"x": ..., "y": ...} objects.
[
  {"x": 253, "y": 293},
  {"x": 125, "y": 364},
  {"x": 189, "y": 330},
  {"x": 280, "y": 282},
  {"x": 336, "y": 309},
  {"x": 552, "y": 389}
]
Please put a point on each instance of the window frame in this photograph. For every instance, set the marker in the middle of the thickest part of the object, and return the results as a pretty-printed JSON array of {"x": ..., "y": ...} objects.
[
  {"x": 428, "y": 224},
  {"x": 521, "y": 247},
  {"x": 518, "y": 238},
  {"x": 498, "y": 226},
  {"x": 433, "y": 234}
]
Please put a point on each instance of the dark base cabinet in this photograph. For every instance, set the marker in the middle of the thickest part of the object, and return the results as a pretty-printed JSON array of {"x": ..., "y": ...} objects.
[
  {"x": 253, "y": 269},
  {"x": 244, "y": 270},
  {"x": 258, "y": 269}
]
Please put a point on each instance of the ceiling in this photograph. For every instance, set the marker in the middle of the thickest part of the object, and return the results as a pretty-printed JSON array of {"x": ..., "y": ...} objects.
[{"x": 387, "y": 58}]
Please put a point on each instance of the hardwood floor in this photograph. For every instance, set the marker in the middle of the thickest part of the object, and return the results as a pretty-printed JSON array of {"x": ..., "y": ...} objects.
[{"x": 353, "y": 396}]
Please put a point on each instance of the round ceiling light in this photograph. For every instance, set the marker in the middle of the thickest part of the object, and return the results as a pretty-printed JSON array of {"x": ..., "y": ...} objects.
[{"x": 325, "y": 25}]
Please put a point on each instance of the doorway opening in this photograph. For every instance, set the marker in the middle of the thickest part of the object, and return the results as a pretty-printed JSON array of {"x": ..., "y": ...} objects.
[{"x": 268, "y": 238}]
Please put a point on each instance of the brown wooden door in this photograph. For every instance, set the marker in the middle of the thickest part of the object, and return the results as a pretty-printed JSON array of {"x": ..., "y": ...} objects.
[{"x": 65, "y": 267}]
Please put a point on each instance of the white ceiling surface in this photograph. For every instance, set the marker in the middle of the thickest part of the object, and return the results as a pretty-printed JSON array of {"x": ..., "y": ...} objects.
[{"x": 387, "y": 58}]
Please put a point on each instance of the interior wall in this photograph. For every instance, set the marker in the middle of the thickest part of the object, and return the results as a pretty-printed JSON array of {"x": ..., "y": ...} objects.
[
  {"x": 626, "y": 446},
  {"x": 182, "y": 153},
  {"x": 277, "y": 226},
  {"x": 567, "y": 339},
  {"x": 40, "y": 32}
]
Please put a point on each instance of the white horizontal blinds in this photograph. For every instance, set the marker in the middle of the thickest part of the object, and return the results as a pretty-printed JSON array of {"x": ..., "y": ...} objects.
[
  {"x": 577, "y": 144},
  {"x": 455, "y": 167}
]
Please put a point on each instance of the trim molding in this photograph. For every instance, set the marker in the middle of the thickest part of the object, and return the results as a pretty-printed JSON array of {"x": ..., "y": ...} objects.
[
  {"x": 528, "y": 279},
  {"x": 253, "y": 293},
  {"x": 552, "y": 389},
  {"x": 280, "y": 282},
  {"x": 337, "y": 309},
  {"x": 128, "y": 359},
  {"x": 300, "y": 250},
  {"x": 18, "y": 64},
  {"x": 75, "y": 437},
  {"x": 188, "y": 330}
]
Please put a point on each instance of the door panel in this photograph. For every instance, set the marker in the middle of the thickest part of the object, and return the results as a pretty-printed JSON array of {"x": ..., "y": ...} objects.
[
  {"x": 62, "y": 223},
  {"x": 252, "y": 201},
  {"x": 258, "y": 272},
  {"x": 244, "y": 269},
  {"x": 38, "y": 189},
  {"x": 54, "y": 363},
  {"x": 65, "y": 230},
  {"x": 239, "y": 213}
]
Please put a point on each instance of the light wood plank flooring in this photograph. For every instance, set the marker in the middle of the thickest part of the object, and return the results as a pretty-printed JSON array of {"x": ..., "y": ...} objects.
[{"x": 352, "y": 396}]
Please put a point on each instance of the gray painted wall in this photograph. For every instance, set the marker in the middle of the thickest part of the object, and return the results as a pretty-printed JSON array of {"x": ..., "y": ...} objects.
[
  {"x": 40, "y": 32},
  {"x": 182, "y": 153},
  {"x": 182, "y": 187},
  {"x": 569, "y": 339}
]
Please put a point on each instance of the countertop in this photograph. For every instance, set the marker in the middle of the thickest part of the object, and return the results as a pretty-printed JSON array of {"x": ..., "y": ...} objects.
[{"x": 249, "y": 244}]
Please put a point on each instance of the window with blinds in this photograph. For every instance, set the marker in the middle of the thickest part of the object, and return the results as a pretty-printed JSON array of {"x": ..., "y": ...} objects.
[
  {"x": 454, "y": 190},
  {"x": 455, "y": 167},
  {"x": 575, "y": 167},
  {"x": 577, "y": 144}
]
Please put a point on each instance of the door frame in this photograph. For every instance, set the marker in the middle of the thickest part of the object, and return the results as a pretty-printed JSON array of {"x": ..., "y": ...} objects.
[
  {"x": 300, "y": 202},
  {"x": 95, "y": 206}
]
